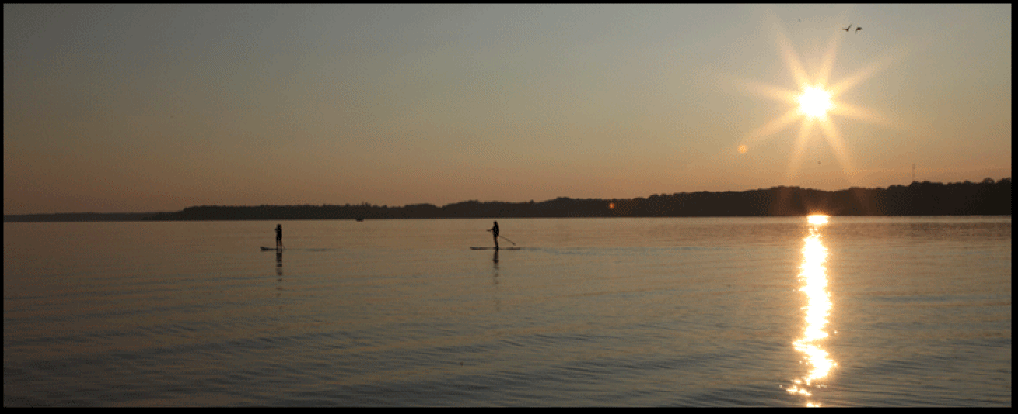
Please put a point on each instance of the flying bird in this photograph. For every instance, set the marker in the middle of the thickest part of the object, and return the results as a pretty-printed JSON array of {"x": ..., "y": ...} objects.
[
  {"x": 857, "y": 29},
  {"x": 846, "y": 29}
]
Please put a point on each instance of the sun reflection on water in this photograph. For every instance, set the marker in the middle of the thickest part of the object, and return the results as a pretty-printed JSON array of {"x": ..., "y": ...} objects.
[{"x": 813, "y": 284}]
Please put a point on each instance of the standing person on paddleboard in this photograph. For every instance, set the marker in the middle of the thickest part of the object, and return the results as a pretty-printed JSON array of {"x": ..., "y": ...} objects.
[
  {"x": 279, "y": 236},
  {"x": 494, "y": 233}
]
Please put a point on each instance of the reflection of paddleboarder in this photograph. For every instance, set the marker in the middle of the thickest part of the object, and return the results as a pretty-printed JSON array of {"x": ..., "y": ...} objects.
[
  {"x": 279, "y": 236},
  {"x": 494, "y": 233}
]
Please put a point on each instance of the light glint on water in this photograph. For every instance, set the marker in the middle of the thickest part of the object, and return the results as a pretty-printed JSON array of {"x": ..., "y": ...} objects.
[
  {"x": 813, "y": 280},
  {"x": 643, "y": 312}
]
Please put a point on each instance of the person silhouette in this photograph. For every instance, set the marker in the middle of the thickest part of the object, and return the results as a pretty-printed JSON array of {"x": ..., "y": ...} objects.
[
  {"x": 279, "y": 236},
  {"x": 494, "y": 234}
]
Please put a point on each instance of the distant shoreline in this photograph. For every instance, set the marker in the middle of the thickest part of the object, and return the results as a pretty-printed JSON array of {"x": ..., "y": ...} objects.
[
  {"x": 77, "y": 217},
  {"x": 987, "y": 198}
]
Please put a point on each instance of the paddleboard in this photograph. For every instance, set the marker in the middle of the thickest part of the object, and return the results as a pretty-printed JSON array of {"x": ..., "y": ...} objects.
[{"x": 492, "y": 248}]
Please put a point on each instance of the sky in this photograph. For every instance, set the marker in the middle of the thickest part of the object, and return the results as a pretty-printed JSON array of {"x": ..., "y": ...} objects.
[{"x": 137, "y": 108}]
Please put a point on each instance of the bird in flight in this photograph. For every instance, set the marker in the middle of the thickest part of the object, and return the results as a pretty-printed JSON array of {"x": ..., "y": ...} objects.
[
  {"x": 857, "y": 29},
  {"x": 846, "y": 29}
]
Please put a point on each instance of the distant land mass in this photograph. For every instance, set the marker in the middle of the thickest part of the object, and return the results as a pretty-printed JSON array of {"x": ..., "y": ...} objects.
[{"x": 986, "y": 198}]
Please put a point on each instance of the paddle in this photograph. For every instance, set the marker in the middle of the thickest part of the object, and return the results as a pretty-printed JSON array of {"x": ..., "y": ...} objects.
[{"x": 510, "y": 241}]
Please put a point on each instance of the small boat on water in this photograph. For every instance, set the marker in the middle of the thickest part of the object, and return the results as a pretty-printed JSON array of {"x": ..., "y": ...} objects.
[{"x": 359, "y": 219}]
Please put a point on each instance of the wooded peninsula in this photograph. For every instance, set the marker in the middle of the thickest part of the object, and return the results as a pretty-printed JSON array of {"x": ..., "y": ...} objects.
[{"x": 986, "y": 198}]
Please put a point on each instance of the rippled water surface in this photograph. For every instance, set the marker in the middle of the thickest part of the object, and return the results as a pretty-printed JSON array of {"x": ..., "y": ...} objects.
[{"x": 663, "y": 311}]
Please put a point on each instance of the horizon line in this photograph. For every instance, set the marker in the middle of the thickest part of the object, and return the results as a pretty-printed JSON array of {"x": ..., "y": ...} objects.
[{"x": 496, "y": 201}]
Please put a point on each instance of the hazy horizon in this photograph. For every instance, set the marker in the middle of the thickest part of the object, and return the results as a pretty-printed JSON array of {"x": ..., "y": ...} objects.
[
  {"x": 446, "y": 204},
  {"x": 146, "y": 108}
]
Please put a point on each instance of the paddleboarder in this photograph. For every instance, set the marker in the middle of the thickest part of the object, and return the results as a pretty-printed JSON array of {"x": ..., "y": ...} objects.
[
  {"x": 279, "y": 236},
  {"x": 494, "y": 233}
]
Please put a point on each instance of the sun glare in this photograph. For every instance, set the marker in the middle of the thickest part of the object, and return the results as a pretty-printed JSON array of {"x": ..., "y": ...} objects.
[
  {"x": 813, "y": 105},
  {"x": 815, "y": 102},
  {"x": 817, "y": 219}
]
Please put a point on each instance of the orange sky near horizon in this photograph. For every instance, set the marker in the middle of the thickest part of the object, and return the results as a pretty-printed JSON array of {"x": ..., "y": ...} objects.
[{"x": 132, "y": 108}]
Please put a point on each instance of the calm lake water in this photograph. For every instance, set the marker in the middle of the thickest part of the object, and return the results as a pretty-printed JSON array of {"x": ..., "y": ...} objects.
[{"x": 630, "y": 312}]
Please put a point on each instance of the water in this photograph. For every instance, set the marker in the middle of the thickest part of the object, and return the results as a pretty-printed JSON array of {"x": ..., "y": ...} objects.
[{"x": 664, "y": 311}]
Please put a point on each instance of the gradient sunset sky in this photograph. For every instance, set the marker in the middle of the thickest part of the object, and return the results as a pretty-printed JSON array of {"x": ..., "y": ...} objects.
[{"x": 132, "y": 108}]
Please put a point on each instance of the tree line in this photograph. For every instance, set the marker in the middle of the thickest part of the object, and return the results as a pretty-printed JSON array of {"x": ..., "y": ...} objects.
[{"x": 989, "y": 197}]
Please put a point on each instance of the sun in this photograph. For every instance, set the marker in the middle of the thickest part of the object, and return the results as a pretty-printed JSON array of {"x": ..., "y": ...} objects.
[{"x": 815, "y": 102}]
